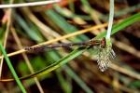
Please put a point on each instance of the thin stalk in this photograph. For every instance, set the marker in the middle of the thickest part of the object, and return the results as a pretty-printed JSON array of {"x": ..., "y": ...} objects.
[
  {"x": 28, "y": 4},
  {"x": 111, "y": 15}
]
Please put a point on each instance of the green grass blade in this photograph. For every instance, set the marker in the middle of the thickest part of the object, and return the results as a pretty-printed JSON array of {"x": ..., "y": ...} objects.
[
  {"x": 65, "y": 85},
  {"x": 31, "y": 32},
  {"x": 78, "y": 79},
  {"x": 12, "y": 70},
  {"x": 118, "y": 27},
  {"x": 64, "y": 25},
  {"x": 55, "y": 65},
  {"x": 61, "y": 62}
]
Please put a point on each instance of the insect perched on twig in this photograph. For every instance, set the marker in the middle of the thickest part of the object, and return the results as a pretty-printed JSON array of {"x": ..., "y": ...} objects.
[{"x": 103, "y": 55}]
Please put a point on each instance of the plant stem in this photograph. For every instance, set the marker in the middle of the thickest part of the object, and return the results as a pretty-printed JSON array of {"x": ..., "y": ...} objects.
[
  {"x": 28, "y": 4},
  {"x": 111, "y": 15}
]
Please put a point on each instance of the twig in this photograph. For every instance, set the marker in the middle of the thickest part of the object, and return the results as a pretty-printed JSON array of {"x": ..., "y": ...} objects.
[{"x": 28, "y": 4}]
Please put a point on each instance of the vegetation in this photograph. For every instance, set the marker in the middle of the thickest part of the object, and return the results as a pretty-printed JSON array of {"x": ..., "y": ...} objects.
[{"x": 69, "y": 69}]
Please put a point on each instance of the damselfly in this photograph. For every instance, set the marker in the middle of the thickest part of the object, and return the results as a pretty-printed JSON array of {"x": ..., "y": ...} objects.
[
  {"x": 102, "y": 52},
  {"x": 89, "y": 44}
]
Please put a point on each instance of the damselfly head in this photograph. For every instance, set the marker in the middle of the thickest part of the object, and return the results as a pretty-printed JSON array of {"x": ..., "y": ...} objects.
[{"x": 103, "y": 43}]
